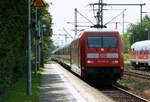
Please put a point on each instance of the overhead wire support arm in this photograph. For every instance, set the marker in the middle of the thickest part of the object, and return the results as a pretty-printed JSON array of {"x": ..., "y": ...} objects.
[
  {"x": 126, "y": 4},
  {"x": 74, "y": 22},
  {"x": 97, "y": 4},
  {"x": 115, "y": 17},
  {"x": 67, "y": 32},
  {"x": 83, "y": 26},
  {"x": 85, "y": 17},
  {"x": 105, "y": 4},
  {"x": 141, "y": 5}
]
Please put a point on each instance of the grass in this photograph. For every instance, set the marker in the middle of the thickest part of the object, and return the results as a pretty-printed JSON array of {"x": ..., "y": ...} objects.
[
  {"x": 19, "y": 94},
  {"x": 127, "y": 58}
]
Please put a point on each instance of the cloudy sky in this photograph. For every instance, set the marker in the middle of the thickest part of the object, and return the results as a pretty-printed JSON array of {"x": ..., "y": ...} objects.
[{"x": 62, "y": 12}]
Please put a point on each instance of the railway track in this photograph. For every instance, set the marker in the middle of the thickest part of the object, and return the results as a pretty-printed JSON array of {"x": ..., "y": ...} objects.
[
  {"x": 120, "y": 95},
  {"x": 136, "y": 73}
]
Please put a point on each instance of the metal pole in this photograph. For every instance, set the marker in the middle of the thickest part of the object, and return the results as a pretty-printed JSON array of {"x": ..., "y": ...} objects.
[
  {"x": 75, "y": 20},
  {"x": 29, "y": 81},
  {"x": 98, "y": 14},
  {"x": 42, "y": 33},
  {"x": 38, "y": 45},
  {"x": 65, "y": 38},
  {"x": 141, "y": 14},
  {"x": 123, "y": 22},
  {"x": 148, "y": 35},
  {"x": 36, "y": 40},
  {"x": 101, "y": 16},
  {"x": 116, "y": 25}
]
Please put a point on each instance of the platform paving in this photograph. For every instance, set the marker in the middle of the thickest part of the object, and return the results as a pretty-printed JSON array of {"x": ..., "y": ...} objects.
[{"x": 54, "y": 88}]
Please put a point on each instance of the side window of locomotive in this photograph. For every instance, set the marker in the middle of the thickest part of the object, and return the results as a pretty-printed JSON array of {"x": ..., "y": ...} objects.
[
  {"x": 109, "y": 42},
  {"x": 93, "y": 42}
]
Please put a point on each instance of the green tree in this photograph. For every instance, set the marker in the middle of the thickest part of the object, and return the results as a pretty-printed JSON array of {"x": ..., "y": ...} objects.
[
  {"x": 13, "y": 25},
  {"x": 13, "y": 40},
  {"x": 126, "y": 42},
  {"x": 46, "y": 33},
  {"x": 138, "y": 32}
]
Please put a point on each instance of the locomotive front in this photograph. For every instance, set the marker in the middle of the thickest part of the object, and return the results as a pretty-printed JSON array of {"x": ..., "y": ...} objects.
[{"x": 102, "y": 54}]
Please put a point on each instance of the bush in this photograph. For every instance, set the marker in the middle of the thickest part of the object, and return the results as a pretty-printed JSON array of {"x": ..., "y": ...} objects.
[
  {"x": 13, "y": 29},
  {"x": 126, "y": 57}
]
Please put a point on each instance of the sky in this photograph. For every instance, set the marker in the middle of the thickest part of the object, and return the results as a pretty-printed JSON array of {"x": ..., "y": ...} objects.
[{"x": 62, "y": 11}]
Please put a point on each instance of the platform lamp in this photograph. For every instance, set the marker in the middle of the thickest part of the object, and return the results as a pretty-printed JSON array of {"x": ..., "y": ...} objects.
[
  {"x": 43, "y": 30},
  {"x": 147, "y": 30}
]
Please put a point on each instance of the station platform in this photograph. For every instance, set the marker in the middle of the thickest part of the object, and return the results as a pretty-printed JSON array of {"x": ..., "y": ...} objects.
[{"x": 59, "y": 85}]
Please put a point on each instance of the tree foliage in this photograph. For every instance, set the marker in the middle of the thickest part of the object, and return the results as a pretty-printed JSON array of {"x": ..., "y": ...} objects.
[
  {"x": 139, "y": 32},
  {"x": 13, "y": 27},
  {"x": 126, "y": 42},
  {"x": 13, "y": 40},
  {"x": 46, "y": 33},
  {"x": 136, "y": 32}
]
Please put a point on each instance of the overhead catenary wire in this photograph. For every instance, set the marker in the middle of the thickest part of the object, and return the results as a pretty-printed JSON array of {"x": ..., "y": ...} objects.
[
  {"x": 67, "y": 32},
  {"x": 115, "y": 17},
  {"x": 85, "y": 18},
  {"x": 105, "y": 4}
]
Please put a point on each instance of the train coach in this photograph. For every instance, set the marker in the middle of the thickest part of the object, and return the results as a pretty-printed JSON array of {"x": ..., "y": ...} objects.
[
  {"x": 140, "y": 54},
  {"x": 96, "y": 52}
]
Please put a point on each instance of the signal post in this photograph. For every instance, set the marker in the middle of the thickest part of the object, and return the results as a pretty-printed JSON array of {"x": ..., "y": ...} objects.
[{"x": 36, "y": 3}]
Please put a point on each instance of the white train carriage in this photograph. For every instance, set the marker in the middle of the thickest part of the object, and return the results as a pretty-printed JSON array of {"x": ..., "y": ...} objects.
[{"x": 140, "y": 54}]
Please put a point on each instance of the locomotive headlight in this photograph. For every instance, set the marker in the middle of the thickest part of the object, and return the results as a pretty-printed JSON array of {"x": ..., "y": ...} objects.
[
  {"x": 112, "y": 55},
  {"x": 121, "y": 67},
  {"x": 92, "y": 55},
  {"x": 89, "y": 61},
  {"x": 115, "y": 62}
]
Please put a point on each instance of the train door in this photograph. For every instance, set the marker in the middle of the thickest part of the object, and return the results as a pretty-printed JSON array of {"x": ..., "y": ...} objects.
[
  {"x": 71, "y": 54},
  {"x": 78, "y": 49}
]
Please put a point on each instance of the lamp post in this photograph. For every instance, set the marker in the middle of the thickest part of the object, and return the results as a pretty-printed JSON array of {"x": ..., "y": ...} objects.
[
  {"x": 29, "y": 74},
  {"x": 36, "y": 26},
  {"x": 147, "y": 30},
  {"x": 43, "y": 30}
]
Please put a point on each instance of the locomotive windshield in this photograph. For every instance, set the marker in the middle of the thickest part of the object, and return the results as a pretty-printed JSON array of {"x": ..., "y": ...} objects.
[{"x": 105, "y": 42}]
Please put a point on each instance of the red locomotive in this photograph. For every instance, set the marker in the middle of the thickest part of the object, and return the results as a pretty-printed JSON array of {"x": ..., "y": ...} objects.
[{"x": 96, "y": 52}]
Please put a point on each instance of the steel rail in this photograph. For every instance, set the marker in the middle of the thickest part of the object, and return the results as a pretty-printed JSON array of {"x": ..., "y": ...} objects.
[
  {"x": 137, "y": 74},
  {"x": 131, "y": 94}
]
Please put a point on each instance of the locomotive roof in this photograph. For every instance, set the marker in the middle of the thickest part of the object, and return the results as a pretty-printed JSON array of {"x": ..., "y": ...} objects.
[
  {"x": 141, "y": 45},
  {"x": 100, "y": 30},
  {"x": 96, "y": 30}
]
